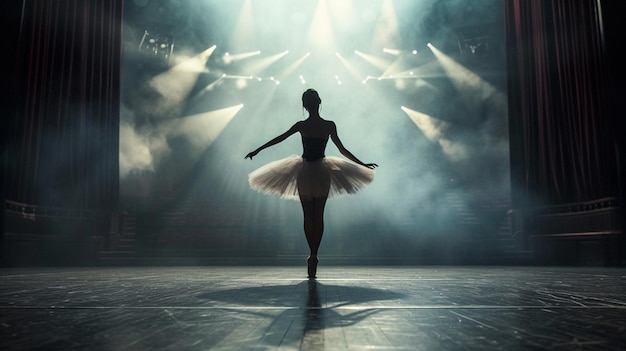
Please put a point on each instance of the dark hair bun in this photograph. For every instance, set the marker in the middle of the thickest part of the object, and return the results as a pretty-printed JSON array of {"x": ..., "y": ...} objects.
[{"x": 310, "y": 98}]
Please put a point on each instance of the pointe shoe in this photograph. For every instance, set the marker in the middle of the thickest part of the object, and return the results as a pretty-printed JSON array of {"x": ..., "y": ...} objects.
[{"x": 311, "y": 263}]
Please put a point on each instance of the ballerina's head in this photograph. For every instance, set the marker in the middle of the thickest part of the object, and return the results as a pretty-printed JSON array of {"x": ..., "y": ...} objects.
[{"x": 311, "y": 99}]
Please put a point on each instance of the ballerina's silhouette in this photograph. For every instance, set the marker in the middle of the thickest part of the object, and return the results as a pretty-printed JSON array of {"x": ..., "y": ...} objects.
[{"x": 312, "y": 177}]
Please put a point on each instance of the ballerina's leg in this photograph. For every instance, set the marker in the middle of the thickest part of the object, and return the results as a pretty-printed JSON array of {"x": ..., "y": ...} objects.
[{"x": 313, "y": 209}]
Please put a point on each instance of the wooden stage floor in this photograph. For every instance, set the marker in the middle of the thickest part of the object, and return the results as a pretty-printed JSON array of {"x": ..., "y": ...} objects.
[{"x": 346, "y": 308}]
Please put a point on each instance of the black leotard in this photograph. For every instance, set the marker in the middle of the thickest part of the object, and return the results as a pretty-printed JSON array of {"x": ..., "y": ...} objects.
[{"x": 313, "y": 148}]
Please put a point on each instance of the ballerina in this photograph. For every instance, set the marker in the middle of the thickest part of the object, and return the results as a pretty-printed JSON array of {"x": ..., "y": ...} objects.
[{"x": 313, "y": 177}]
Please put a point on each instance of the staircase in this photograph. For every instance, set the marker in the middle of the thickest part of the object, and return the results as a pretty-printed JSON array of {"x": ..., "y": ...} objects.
[
  {"x": 476, "y": 211},
  {"x": 123, "y": 249}
]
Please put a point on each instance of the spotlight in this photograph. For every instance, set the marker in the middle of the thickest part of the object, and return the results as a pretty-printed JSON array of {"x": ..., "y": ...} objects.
[
  {"x": 475, "y": 41},
  {"x": 274, "y": 80},
  {"x": 157, "y": 47},
  {"x": 392, "y": 51}
]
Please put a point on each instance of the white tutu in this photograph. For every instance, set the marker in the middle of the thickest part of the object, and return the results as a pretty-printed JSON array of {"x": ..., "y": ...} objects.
[{"x": 292, "y": 176}]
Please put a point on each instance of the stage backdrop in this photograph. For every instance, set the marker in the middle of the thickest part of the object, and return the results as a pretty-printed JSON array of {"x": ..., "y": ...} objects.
[
  {"x": 566, "y": 73},
  {"x": 64, "y": 117}
]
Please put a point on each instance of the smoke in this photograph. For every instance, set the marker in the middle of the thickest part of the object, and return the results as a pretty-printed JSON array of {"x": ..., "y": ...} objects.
[
  {"x": 437, "y": 129},
  {"x": 140, "y": 149}
]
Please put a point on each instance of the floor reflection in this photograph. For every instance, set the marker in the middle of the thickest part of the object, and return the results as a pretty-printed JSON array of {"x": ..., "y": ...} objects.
[
  {"x": 310, "y": 311},
  {"x": 299, "y": 295},
  {"x": 313, "y": 335}
]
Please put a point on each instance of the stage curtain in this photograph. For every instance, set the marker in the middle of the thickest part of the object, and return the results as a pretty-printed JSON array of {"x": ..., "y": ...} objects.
[
  {"x": 563, "y": 130},
  {"x": 62, "y": 148}
]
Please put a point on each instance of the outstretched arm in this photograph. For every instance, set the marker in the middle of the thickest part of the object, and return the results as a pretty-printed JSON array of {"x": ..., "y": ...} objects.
[
  {"x": 295, "y": 128},
  {"x": 335, "y": 138}
]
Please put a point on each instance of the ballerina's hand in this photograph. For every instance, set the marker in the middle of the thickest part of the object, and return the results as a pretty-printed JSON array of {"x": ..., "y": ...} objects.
[
  {"x": 251, "y": 154},
  {"x": 371, "y": 165}
]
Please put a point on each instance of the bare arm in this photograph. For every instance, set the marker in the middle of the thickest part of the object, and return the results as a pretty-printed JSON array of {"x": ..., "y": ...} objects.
[
  {"x": 294, "y": 129},
  {"x": 335, "y": 138}
]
